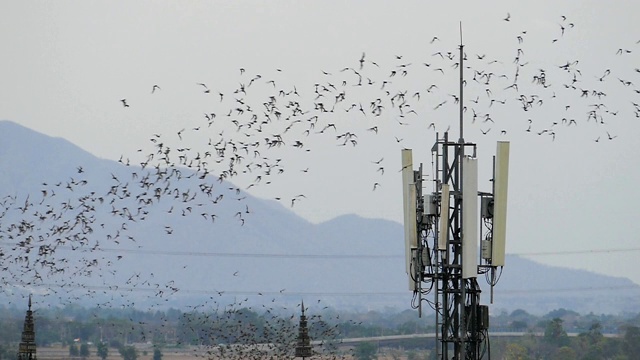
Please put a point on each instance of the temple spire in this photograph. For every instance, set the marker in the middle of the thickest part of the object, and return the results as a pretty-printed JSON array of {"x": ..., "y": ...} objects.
[
  {"x": 27, "y": 347},
  {"x": 303, "y": 345}
]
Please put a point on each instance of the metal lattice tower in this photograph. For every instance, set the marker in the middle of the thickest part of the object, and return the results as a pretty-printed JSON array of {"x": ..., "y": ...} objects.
[
  {"x": 442, "y": 233},
  {"x": 457, "y": 297}
]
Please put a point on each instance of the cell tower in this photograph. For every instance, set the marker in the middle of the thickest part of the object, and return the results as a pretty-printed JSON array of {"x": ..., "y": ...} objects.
[{"x": 452, "y": 235}]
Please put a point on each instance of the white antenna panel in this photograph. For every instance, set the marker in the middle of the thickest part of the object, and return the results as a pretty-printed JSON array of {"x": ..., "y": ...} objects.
[
  {"x": 409, "y": 207},
  {"x": 469, "y": 217},
  {"x": 443, "y": 230},
  {"x": 501, "y": 185},
  {"x": 412, "y": 228}
]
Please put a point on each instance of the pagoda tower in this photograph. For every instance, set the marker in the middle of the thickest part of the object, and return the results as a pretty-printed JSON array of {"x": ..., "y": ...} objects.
[
  {"x": 303, "y": 346},
  {"x": 27, "y": 348}
]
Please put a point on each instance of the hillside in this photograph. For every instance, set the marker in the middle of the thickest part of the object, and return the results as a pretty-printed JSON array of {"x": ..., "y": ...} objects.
[{"x": 172, "y": 252}]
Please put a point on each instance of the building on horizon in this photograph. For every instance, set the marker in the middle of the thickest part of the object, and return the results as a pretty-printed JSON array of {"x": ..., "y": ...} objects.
[
  {"x": 27, "y": 348},
  {"x": 303, "y": 344}
]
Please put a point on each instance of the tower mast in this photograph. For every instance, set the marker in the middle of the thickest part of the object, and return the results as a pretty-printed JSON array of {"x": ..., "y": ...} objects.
[{"x": 442, "y": 233}]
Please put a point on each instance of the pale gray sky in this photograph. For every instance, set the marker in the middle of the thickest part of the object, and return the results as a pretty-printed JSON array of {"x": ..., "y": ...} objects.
[{"x": 65, "y": 65}]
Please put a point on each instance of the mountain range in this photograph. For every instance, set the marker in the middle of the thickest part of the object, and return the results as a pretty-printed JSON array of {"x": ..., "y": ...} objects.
[{"x": 173, "y": 252}]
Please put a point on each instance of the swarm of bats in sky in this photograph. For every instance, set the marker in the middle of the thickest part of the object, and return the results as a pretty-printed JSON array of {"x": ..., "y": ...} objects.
[{"x": 248, "y": 131}]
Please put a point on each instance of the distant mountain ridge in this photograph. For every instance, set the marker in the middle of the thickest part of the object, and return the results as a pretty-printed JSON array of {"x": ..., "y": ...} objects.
[{"x": 349, "y": 261}]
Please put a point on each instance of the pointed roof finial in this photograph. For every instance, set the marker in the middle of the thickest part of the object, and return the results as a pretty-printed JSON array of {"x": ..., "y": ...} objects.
[
  {"x": 27, "y": 347},
  {"x": 303, "y": 343}
]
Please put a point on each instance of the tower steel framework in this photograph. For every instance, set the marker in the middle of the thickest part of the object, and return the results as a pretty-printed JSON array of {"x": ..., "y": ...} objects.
[{"x": 439, "y": 263}]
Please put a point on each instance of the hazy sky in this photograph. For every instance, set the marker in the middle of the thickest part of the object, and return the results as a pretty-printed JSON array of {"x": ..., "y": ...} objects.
[{"x": 66, "y": 65}]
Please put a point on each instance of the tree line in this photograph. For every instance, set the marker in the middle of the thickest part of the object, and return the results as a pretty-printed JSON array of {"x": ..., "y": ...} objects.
[{"x": 75, "y": 326}]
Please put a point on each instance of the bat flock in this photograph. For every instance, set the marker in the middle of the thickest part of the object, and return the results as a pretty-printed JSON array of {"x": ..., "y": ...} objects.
[{"x": 247, "y": 136}]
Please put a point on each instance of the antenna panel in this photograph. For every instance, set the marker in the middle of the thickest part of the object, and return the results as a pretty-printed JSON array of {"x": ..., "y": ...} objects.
[
  {"x": 469, "y": 217},
  {"x": 501, "y": 185},
  {"x": 412, "y": 228},
  {"x": 409, "y": 206},
  {"x": 443, "y": 229}
]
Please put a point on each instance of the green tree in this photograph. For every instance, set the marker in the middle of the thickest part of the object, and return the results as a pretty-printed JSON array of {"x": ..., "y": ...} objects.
[
  {"x": 518, "y": 325},
  {"x": 396, "y": 354},
  {"x": 560, "y": 313},
  {"x": 565, "y": 353},
  {"x": 157, "y": 354},
  {"x": 555, "y": 335},
  {"x": 365, "y": 351},
  {"x": 73, "y": 350},
  {"x": 84, "y": 350},
  {"x": 519, "y": 313},
  {"x": 631, "y": 344},
  {"x": 516, "y": 352},
  {"x": 412, "y": 355},
  {"x": 128, "y": 353},
  {"x": 592, "y": 343},
  {"x": 102, "y": 350}
]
